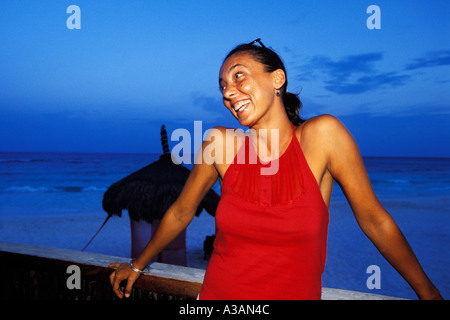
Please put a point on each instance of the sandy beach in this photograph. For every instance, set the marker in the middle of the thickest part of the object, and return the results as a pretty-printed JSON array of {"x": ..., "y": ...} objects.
[{"x": 114, "y": 239}]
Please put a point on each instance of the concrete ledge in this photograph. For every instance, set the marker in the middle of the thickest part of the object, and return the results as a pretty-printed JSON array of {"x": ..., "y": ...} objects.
[
  {"x": 164, "y": 278},
  {"x": 340, "y": 294},
  {"x": 101, "y": 260}
]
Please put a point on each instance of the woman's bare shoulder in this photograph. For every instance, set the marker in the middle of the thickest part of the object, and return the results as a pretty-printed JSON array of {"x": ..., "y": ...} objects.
[
  {"x": 222, "y": 143},
  {"x": 321, "y": 127}
]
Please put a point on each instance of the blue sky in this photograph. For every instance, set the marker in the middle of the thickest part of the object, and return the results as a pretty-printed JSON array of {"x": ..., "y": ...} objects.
[{"x": 135, "y": 65}]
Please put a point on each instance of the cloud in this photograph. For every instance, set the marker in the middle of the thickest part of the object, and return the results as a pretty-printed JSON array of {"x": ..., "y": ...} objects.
[
  {"x": 353, "y": 74},
  {"x": 210, "y": 108},
  {"x": 432, "y": 59},
  {"x": 348, "y": 66},
  {"x": 365, "y": 83}
]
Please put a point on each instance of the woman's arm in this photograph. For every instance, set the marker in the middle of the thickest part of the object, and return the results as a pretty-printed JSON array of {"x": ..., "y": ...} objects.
[
  {"x": 347, "y": 168},
  {"x": 175, "y": 220}
]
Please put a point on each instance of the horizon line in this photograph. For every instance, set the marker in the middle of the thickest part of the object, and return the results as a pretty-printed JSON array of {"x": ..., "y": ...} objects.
[{"x": 160, "y": 153}]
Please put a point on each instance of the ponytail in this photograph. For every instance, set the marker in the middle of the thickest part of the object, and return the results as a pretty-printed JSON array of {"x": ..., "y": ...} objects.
[{"x": 292, "y": 104}]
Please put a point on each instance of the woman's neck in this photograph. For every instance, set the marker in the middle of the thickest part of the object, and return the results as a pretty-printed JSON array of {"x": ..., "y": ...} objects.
[{"x": 271, "y": 138}]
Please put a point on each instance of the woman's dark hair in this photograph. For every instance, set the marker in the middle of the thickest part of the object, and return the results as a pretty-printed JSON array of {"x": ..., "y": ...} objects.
[{"x": 273, "y": 62}]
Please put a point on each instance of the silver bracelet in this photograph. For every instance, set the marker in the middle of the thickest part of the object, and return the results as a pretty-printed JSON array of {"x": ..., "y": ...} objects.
[{"x": 134, "y": 268}]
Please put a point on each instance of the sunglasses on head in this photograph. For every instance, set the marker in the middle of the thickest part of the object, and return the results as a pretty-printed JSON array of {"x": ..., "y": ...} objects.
[{"x": 258, "y": 41}]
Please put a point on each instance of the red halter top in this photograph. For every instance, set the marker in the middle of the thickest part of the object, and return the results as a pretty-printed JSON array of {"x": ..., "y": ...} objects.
[{"x": 271, "y": 231}]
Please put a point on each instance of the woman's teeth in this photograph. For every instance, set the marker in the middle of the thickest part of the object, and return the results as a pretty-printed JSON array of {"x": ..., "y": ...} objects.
[{"x": 240, "y": 105}]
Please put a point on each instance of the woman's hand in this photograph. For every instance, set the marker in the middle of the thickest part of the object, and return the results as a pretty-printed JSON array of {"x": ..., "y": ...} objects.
[{"x": 123, "y": 272}]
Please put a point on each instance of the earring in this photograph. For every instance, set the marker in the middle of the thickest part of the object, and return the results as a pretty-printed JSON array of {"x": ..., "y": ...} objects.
[{"x": 278, "y": 93}]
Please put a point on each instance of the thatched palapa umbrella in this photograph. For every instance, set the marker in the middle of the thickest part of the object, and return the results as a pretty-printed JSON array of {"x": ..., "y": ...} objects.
[{"x": 147, "y": 194}]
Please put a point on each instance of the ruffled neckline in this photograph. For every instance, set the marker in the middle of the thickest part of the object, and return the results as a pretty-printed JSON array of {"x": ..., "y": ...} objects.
[{"x": 273, "y": 183}]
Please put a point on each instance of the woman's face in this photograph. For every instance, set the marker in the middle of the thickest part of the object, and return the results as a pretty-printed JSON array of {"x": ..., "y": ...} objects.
[{"x": 248, "y": 90}]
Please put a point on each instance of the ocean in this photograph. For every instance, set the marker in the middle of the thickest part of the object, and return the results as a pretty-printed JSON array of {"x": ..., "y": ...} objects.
[{"x": 55, "y": 199}]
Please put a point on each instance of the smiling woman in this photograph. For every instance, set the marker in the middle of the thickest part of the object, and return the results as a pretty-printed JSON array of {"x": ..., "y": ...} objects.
[
  {"x": 269, "y": 62},
  {"x": 271, "y": 230}
]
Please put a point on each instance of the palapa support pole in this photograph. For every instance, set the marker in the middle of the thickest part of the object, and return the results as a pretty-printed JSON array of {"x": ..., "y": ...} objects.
[{"x": 107, "y": 218}]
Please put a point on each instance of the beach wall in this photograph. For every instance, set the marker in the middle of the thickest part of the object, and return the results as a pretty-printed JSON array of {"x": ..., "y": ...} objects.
[{"x": 37, "y": 272}]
